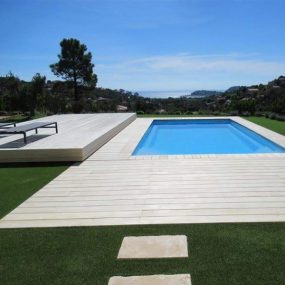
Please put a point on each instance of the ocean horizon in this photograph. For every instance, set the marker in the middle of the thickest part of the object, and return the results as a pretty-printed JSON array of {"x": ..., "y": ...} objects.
[
  {"x": 165, "y": 94},
  {"x": 170, "y": 93}
]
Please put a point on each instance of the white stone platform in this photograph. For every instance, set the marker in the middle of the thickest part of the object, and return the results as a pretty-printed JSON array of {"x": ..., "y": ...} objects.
[{"x": 78, "y": 137}]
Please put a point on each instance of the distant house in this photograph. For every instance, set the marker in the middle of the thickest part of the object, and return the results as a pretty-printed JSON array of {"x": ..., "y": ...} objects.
[
  {"x": 162, "y": 111},
  {"x": 49, "y": 85},
  {"x": 252, "y": 90},
  {"x": 103, "y": 99},
  {"x": 121, "y": 108},
  {"x": 228, "y": 102},
  {"x": 221, "y": 99}
]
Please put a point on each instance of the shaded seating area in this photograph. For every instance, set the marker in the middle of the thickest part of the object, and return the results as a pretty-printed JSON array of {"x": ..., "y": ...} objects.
[
  {"x": 28, "y": 127},
  {"x": 7, "y": 125}
]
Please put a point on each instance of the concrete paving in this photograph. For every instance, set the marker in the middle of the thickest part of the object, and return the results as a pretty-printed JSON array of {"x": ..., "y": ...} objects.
[
  {"x": 154, "y": 247},
  {"x": 179, "y": 279}
]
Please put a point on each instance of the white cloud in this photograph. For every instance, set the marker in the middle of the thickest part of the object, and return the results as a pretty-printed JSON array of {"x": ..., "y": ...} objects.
[
  {"x": 189, "y": 71},
  {"x": 182, "y": 63}
]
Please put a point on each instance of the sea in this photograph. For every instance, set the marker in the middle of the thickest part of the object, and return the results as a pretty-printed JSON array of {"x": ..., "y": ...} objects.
[{"x": 165, "y": 94}]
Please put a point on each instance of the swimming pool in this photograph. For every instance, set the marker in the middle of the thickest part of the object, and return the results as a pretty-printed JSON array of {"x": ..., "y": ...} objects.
[{"x": 202, "y": 136}]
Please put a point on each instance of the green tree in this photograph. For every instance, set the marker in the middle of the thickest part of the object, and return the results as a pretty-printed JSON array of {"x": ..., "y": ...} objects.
[
  {"x": 11, "y": 92},
  {"x": 75, "y": 65},
  {"x": 37, "y": 90}
]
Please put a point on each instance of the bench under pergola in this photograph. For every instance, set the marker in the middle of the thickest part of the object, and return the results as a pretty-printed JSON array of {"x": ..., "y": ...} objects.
[{"x": 29, "y": 127}]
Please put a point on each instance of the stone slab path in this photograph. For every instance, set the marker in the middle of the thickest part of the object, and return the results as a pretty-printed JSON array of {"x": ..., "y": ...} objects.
[
  {"x": 179, "y": 279},
  {"x": 167, "y": 246},
  {"x": 154, "y": 247}
]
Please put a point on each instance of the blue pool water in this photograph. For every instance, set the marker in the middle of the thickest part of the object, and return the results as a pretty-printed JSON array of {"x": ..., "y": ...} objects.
[{"x": 213, "y": 136}]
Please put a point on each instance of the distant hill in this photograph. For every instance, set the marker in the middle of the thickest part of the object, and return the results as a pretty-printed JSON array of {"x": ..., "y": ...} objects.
[
  {"x": 232, "y": 89},
  {"x": 260, "y": 99},
  {"x": 205, "y": 93}
]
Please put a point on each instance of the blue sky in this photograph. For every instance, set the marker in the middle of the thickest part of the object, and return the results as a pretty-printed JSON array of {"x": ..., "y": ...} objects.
[{"x": 150, "y": 44}]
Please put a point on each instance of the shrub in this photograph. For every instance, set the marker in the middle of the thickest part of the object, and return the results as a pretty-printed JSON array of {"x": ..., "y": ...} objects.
[
  {"x": 246, "y": 114},
  {"x": 27, "y": 114},
  {"x": 259, "y": 114},
  {"x": 140, "y": 112},
  {"x": 77, "y": 107},
  {"x": 280, "y": 117},
  {"x": 15, "y": 113},
  {"x": 3, "y": 113},
  {"x": 234, "y": 113},
  {"x": 272, "y": 116}
]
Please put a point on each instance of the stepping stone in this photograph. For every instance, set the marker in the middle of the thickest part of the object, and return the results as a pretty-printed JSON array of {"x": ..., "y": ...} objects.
[
  {"x": 154, "y": 247},
  {"x": 179, "y": 279}
]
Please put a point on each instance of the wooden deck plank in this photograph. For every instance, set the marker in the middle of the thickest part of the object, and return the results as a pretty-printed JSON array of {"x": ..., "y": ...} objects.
[
  {"x": 140, "y": 214},
  {"x": 145, "y": 220},
  {"x": 142, "y": 195},
  {"x": 78, "y": 137}
]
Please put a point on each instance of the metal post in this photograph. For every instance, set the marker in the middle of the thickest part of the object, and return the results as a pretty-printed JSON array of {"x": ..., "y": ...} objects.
[{"x": 25, "y": 137}]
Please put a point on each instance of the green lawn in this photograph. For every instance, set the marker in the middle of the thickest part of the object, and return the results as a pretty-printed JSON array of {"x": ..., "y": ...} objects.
[
  {"x": 170, "y": 116},
  {"x": 18, "y": 182},
  {"x": 276, "y": 126},
  {"x": 220, "y": 254}
]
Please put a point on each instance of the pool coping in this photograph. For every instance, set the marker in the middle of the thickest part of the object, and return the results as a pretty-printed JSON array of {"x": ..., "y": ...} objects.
[{"x": 266, "y": 133}]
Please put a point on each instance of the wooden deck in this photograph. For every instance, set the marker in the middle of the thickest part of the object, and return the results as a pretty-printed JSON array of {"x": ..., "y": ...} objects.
[
  {"x": 78, "y": 137},
  {"x": 114, "y": 188}
]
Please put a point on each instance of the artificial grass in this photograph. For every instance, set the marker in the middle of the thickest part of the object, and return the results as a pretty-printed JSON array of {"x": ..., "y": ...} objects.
[
  {"x": 171, "y": 116},
  {"x": 219, "y": 254},
  {"x": 19, "y": 182},
  {"x": 274, "y": 125}
]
